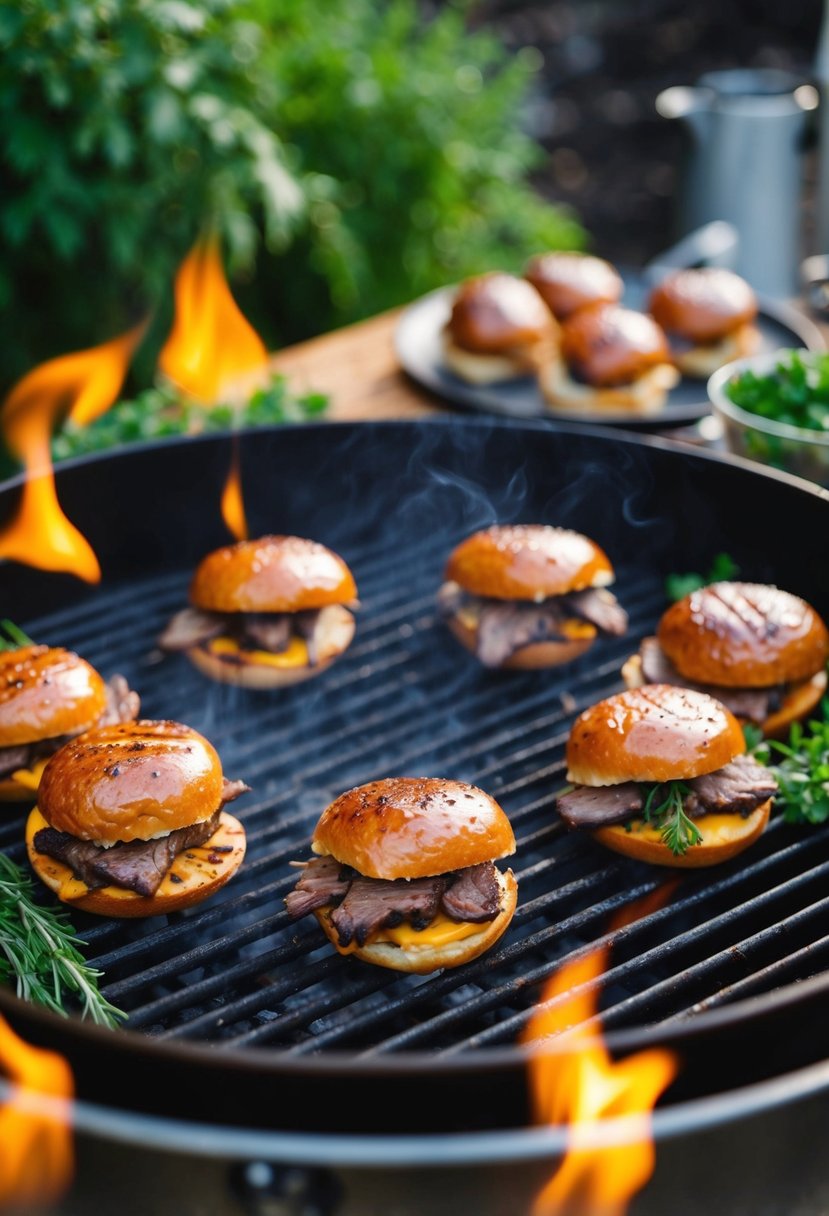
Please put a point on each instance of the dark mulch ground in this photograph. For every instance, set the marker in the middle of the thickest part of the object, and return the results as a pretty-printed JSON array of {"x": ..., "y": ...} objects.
[{"x": 611, "y": 156}]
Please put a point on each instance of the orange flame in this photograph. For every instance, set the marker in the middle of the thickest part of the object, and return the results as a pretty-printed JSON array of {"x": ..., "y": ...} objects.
[
  {"x": 211, "y": 344},
  {"x": 233, "y": 504},
  {"x": 84, "y": 385},
  {"x": 578, "y": 1085},
  {"x": 36, "y": 1153}
]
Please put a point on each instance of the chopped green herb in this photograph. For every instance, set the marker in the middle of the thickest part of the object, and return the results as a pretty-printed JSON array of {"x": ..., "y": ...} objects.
[
  {"x": 796, "y": 392},
  {"x": 12, "y": 637},
  {"x": 723, "y": 567},
  {"x": 664, "y": 808},
  {"x": 802, "y": 769}
]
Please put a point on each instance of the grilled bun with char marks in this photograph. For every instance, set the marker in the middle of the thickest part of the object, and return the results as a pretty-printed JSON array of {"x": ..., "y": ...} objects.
[
  {"x": 708, "y": 314},
  {"x": 125, "y": 785},
  {"x": 610, "y": 358},
  {"x": 654, "y": 735},
  {"x": 499, "y": 329},
  {"x": 418, "y": 828},
  {"x": 567, "y": 280}
]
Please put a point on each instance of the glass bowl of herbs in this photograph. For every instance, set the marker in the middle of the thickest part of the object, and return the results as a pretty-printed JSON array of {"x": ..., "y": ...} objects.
[{"x": 774, "y": 408}]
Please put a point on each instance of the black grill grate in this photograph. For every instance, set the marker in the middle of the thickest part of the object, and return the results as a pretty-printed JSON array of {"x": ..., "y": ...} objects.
[{"x": 406, "y": 699}]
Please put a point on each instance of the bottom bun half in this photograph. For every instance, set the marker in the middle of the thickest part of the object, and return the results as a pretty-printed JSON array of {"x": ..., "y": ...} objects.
[
  {"x": 259, "y": 669},
  {"x": 422, "y": 958},
  {"x": 196, "y": 874},
  {"x": 536, "y": 655},
  {"x": 13, "y": 791},
  {"x": 723, "y": 837},
  {"x": 645, "y": 396}
]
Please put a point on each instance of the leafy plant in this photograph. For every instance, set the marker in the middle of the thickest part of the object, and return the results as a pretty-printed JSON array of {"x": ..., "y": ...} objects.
[
  {"x": 801, "y": 767},
  {"x": 796, "y": 393},
  {"x": 722, "y": 567}
]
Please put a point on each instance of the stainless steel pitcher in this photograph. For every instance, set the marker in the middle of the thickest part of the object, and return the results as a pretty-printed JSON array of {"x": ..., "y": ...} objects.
[{"x": 746, "y": 131}]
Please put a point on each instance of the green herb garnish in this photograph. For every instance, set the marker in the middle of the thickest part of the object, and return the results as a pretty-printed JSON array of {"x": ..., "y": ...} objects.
[
  {"x": 664, "y": 809},
  {"x": 40, "y": 953},
  {"x": 12, "y": 637},
  {"x": 795, "y": 393},
  {"x": 802, "y": 772},
  {"x": 723, "y": 567}
]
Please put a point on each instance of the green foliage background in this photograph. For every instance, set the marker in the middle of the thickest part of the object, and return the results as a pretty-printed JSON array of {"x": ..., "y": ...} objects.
[{"x": 352, "y": 154}]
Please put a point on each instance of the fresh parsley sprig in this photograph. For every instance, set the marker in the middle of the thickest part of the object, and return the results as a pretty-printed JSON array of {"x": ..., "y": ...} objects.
[
  {"x": 39, "y": 953},
  {"x": 722, "y": 568},
  {"x": 801, "y": 770},
  {"x": 12, "y": 637},
  {"x": 664, "y": 808}
]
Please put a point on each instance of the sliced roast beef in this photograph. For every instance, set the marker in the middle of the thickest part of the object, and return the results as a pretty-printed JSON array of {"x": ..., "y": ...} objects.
[
  {"x": 231, "y": 790},
  {"x": 190, "y": 627},
  {"x": 506, "y": 627},
  {"x": 753, "y": 704},
  {"x": 323, "y": 880},
  {"x": 138, "y": 866},
  {"x": 587, "y": 806},
  {"x": 600, "y": 607},
  {"x": 474, "y": 895},
  {"x": 371, "y": 904},
  {"x": 327, "y": 631},
  {"x": 123, "y": 704},
  {"x": 12, "y": 758},
  {"x": 267, "y": 630},
  {"x": 737, "y": 788}
]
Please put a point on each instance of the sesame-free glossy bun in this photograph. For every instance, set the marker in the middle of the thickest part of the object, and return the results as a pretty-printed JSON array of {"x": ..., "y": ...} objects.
[
  {"x": 46, "y": 691},
  {"x": 723, "y": 837},
  {"x": 606, "y": 345},
  {"x": 131, "y": 781},
  {"x": 568, "y": 280},
  {"x": 421, "y": 958},
  {"x": 413, "y": 827},
  {"x": 743, "y": 635},
  {"x": 527, "y": 562},
  {"x": 272, "y": 574},
  {"x": 498, "y": 313},
  {"x": 195, "y": 874},
  {"x": 659, "y": 732},
  {"x": 703, "y": 304}
]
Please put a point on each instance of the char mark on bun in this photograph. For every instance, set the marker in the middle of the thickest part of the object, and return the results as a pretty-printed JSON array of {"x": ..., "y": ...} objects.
[
  {"x": 131, "y": 822},
  {"x": 529, "y": 595},
  {"x": 610, "y": 358},
  {"x": 759, "y": 650},
  {"x": 499, "y": 329},
  {"x": 405, "y": 873},
  {"x": 661, "y": 774},
  {"x": 708, "y": 314},
  {"x": 266, "y": 612},
  {"x": 48, "y": 695}
]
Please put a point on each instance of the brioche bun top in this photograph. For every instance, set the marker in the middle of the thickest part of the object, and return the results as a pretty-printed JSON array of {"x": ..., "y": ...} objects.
[
  {"x": 607, "y": 345},
  {"x": 413, "y": 827},
  {"x": 46, "y": 691},
  {"x": 271, "y": 574},
  {"x": 703, "y": 304},
  {"x": 567, "y": 280},
  {"x": 660, "y": 732},
  {"x": 498, "y": 312},
  {"x": 746, "y": 635},
  {"x": 131, "y": 781},
  {"x": 527, "y": 562}
]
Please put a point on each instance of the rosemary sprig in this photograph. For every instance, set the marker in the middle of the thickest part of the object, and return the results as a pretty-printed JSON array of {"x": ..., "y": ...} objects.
[
  {"x": 12, "y": 637},
  {"x": 678, "y": 830},
  {"x": 40, "y": 953}
]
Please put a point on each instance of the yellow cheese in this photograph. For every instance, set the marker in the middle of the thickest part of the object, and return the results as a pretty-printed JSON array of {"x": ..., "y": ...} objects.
[
  {"x": 440, "y": 932},
  {"x": 718, "y": 829},
  {"x": 296, "y": 654},
  {"x": 30, "y": 777},
  {"x": 578, "y": 629}
]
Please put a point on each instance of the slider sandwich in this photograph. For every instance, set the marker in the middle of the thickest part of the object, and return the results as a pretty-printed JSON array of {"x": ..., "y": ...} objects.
[
  {"x": 708, "y": 315},
  {"x": 404, "y": 874},
  {"x": 131, "y": 821},
  {"x": 266, "y": 612},
  {"x": 529, "y": 595},
  {"x": 47, "y": 695},
  {"x": 761, "y": 651},
  {"x": 567, "y": 280},
  {"x": 661, "y": 774},
  {"x": 499, "y": 329}
]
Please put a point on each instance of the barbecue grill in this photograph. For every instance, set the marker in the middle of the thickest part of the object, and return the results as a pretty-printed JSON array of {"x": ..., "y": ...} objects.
[{"x": 241, "y": 1019}]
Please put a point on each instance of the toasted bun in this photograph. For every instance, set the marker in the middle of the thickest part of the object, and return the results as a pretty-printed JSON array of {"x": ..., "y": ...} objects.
[
  {"x": 644, "y": 396},
  {"x": 131, "y": 781},
  {"x": 528, "y": 658},
  {"x": 491, "y": 369},
  {"x": 257, "y": 668},
  {"x": 194, "y": 875},
  {"x": 702, "y": 361},
  {"x": 497, "y": 313},
  {"x": 568, "y": 280},
  {"x": 422, "y": 958},
  {"x": 13, "y": 791},
  {"x": 606, "y": 345},
  {"x": 46, "y": 691},
  {"x": 413, "y": 827},
  {"x": 703, "y": 304},
  {"x": 723, "y": 837},
  {"x": 272, "y": 574},
  {"x": 527, "y": 562},
  {"x": 743, "y": 635},
  {"x": 655, "y": 733},
  {"x": 798, "y": 701}
]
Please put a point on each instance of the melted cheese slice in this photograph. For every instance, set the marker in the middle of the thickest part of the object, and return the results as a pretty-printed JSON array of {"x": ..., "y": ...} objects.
[
  {"x": 441, "y": 931},
  {"x": 716, "y": 829},
  {"x": 296, "y": 654},
  {"x": 30, "y": 777}
]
